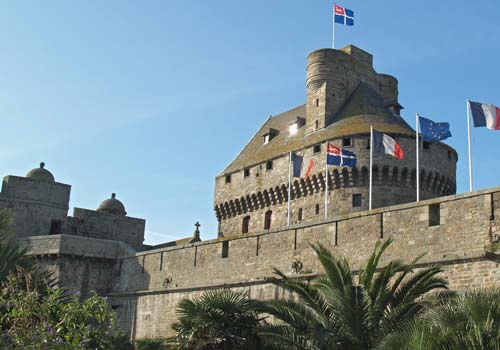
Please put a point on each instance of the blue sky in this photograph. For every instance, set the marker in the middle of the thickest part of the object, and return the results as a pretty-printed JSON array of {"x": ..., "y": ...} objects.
[{"x": 152, "y": 99}]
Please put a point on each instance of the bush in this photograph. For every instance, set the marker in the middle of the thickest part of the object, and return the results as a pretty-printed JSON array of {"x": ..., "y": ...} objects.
[
  {"x": 36, "y": 315},
  {"x": 150, "y": 344}
]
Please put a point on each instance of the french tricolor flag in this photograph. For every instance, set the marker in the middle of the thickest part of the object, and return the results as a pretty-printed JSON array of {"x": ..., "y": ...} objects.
[
  {"x": 485, "y": 115},
  {"x": 302, "y": 166},
  {"x": 383, "y": 143}
]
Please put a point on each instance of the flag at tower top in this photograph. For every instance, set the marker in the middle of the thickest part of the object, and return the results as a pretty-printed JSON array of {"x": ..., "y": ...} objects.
[{"x": 343, "y": 16}]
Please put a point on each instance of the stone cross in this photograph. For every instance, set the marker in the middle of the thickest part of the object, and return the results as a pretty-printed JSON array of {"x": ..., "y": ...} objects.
[{"x": 196, "y": 234}]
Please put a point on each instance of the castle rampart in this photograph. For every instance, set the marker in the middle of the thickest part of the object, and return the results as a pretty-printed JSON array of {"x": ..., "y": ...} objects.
[{"x": 456, "y": 232}]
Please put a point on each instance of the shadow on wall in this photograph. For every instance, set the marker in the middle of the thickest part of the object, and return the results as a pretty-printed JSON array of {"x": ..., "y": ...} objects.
[{"x": 129, "y": 276}]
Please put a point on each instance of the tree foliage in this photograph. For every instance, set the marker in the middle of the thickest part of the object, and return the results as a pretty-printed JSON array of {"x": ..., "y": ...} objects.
[
  {"x": 219, "y": 319},
  {"x": 334, "y": 311},
  {"x": 469, "y": 320},
  {"x": 37, "y": 315}
]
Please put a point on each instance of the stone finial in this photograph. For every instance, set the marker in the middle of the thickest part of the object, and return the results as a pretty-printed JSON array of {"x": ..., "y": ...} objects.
[
  {"x": 113, "y": 195},
  {"x": 196, "y": 234},
  {"x": 42, "y": 165}
]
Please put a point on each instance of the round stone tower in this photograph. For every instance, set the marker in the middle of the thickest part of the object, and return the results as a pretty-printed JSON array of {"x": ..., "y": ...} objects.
[{"x": 345, "y": 97}]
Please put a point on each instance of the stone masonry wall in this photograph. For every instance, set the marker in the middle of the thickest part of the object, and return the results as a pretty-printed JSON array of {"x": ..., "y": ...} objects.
[
  {"x": 454, "y": 232},
  {"x": 393, "y": 184}
]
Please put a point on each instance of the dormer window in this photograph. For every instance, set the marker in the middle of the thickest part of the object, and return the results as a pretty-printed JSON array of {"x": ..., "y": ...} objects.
[
  {"x": 270, "y": 135},
  {"x": 296, "y": 125},
  {"x": 394, "y": 107},
  {"x": 267, "y": 138}
]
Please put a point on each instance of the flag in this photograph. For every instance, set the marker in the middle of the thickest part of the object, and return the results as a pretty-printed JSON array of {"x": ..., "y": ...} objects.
[
  {"x": 343, "y": 16},
  {"x": 485, "y": 115},
  {"x": 302, "y": 166},
  {"x": 432, "y": 131},
  {"x": 337, "y": 156},
  {"x": 383, "y": 143}
]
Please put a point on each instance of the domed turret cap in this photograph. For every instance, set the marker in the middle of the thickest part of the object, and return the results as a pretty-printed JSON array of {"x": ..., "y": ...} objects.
[
  {"x": 112, "y": 206},
  {"x": 41, "y": 174}
]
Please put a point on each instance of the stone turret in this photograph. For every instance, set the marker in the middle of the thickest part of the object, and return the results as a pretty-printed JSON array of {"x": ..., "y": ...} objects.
[{"x": 332, "y": 75}]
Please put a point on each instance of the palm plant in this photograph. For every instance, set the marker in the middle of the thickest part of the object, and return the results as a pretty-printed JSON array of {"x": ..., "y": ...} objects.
[
  {"x": 470, "y": 320},
  {"x": 335, "y": 312},
  {"x": 219, "y": 319},
  {"x": 12, "y": 254}
]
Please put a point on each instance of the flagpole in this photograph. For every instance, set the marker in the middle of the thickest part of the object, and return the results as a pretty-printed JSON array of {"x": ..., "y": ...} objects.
[
  {"x": 289, "y": 188},
  {"x": 417, "y": 121},
  {"x": 470, "y": 146},
  {"x": 333, "y": 28},
  {"x": 326, "y": 182},
  {"x": 371, "y": 169}
]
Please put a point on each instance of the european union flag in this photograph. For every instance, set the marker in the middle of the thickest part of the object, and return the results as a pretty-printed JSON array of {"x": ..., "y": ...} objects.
[{"x": 433, "y": 131}]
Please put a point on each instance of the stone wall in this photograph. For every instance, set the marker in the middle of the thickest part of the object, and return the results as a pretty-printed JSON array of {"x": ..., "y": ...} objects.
[
  {"x": 454, "y": 232},
  {"x": 394, "y": 183},
  {"x": 34, "y": 205},
  {"x": 101, "y": 225},
  {"x": 80, "y": 264}
]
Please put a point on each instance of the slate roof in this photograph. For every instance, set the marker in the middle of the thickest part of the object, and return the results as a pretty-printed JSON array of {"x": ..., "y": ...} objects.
[{"x": 363, "y": 108}]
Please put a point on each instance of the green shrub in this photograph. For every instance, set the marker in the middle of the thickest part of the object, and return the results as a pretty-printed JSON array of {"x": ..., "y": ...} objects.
[
  {"x": 36, "y": 315},
  {"x": 150, "y": 344}
]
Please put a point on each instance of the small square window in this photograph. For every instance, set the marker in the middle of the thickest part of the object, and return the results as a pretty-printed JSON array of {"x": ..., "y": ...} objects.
[
  {"x": 346, "y": 142},
  {"x": 269, "y": 165},
  {"x": 317, "y": 148},
  {"x": 228, "y": 179},
  {"x": 246, "y": 172},
  {"x": 427, "y": 145},
  {"x": 356, "y": 200}
]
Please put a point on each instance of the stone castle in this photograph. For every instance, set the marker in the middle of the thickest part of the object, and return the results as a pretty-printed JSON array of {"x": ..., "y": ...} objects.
[{"x": 103, "y": 249}]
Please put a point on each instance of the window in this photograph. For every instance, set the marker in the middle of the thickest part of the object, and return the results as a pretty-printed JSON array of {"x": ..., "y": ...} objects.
[
  {"x": 267, "y": 220},
  {"x": 228, "y": 179},
  {"x": 317, "y": 148},
  {"x": 346, "y": 142},
  {"x": 246, "y": 172},
  {"x": 246, "y": 224},
  {"x": 317, "y": 102},
  {"x": 300, "y": 214},
  {"x": 267, "y": 137},
  {"x": 55, "y": 227},
  {"x": 435, "y": 214},
  {"x": 225, "y": 249},
  {"x": 316, "y": 123},
  {"x": 356, "y": 200},
  {"x": 269, "y": 165},
  {"x": 293, "y": 128},
  {"x": 317, "y": 209},
  {"x": 427, "y": 145},
  {"x": 270, "y": 135},
  {"x": 449, "y": 155},
  {"x": 368, "y": 143}
]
